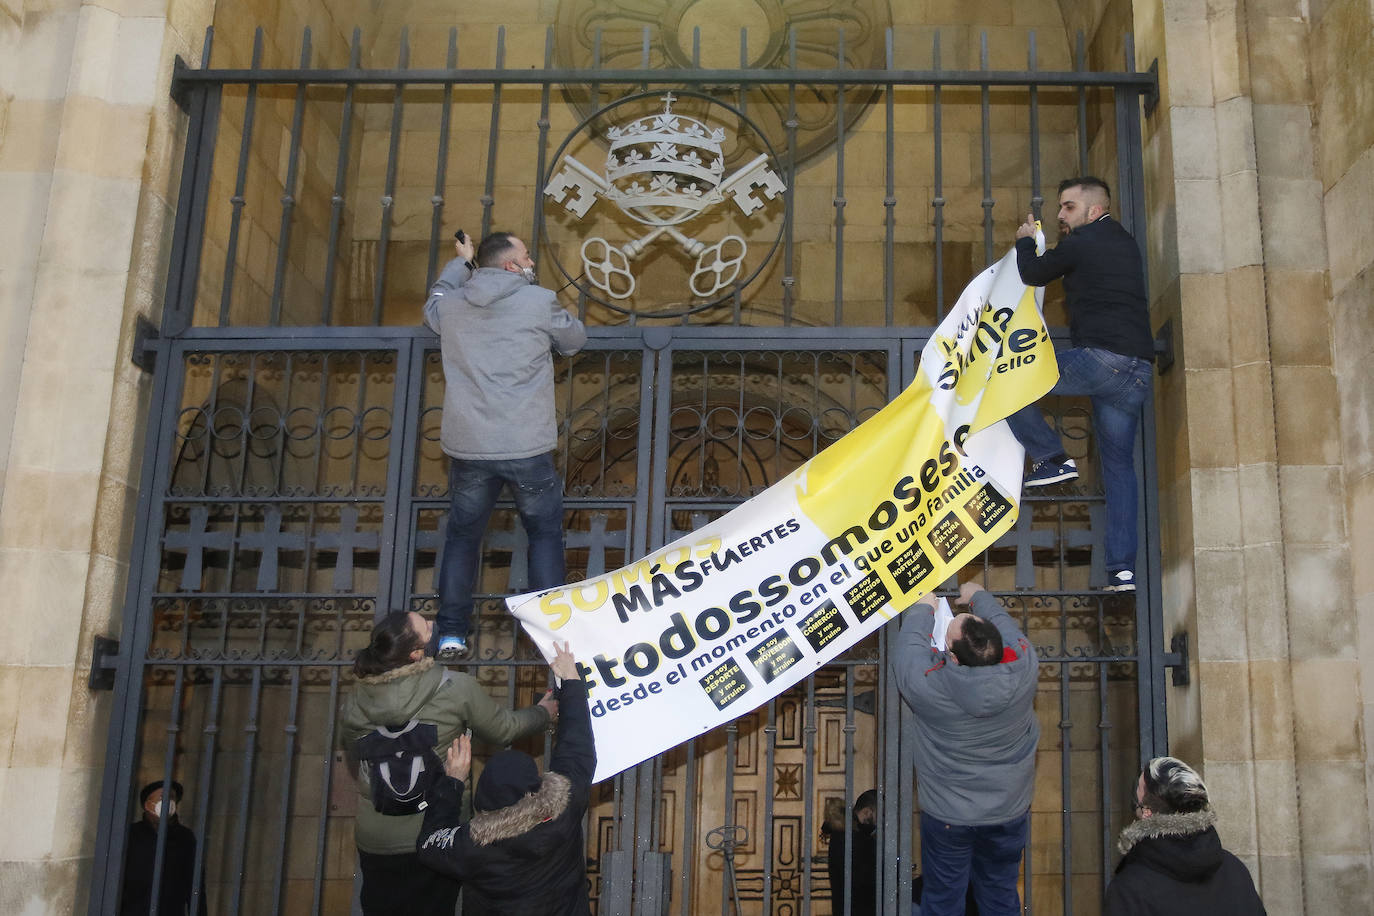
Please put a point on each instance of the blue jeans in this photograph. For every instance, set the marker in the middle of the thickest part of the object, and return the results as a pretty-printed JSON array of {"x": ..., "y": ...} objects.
[
  {"x": 473, "y": 487},
  {"x": 991, "y": 855},
  {"x": 1117, "y": 385}
]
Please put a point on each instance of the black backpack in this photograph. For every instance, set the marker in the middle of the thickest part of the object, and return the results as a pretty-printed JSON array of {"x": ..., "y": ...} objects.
[{"x": 401, "y": 765}]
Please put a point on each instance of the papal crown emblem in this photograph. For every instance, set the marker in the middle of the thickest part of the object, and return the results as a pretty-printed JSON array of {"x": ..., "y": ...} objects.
[{"x": 663, "y": 170}]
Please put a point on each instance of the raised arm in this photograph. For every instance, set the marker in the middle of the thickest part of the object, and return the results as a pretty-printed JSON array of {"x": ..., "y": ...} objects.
[
  {"x": 454, "y": 275},
  {"x": 914, "y": 656},
  {"x": 574, "y": 749},
  {"x": 492, "y": 722},
  {"x": 569, "y": 335},
  {"x": 1039, "y": 270}
]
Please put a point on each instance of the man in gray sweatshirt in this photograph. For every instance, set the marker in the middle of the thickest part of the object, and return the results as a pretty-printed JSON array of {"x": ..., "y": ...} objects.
[
  {"x": 498, "y": 331},
  {"x": 976, "y": 733}
]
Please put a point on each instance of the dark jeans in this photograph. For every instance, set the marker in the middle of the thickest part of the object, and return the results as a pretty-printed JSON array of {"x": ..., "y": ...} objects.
[
  {"x": 473, "y": 487},
  {"x": 989, "y": 855},
  {"x": 1118, "y": 385},
  {"x": 400, "y": 886}
]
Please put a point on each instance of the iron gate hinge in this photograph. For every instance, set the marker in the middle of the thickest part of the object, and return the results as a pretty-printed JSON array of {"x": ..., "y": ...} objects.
[
  {"x": 1164, "y": 347},
  {"x": 1176, "y": 659},
  {"x": 146, "y": 336},
  {"x": 1152, "y": 92},
  {"x": 104, "y": 663}
]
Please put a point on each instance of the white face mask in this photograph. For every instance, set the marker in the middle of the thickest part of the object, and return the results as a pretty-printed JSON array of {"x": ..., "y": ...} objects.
[
  {"x": 165, "y": 808},
  {"x": 530, "y": 276}
]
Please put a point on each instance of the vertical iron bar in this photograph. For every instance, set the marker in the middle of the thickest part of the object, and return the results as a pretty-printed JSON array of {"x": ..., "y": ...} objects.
[
  {"x": 288, "y": 191},
  {"x": 939, "y": 200},
  {"x": 770, "y": 731},
  {"x": 210, "y": 734},
  {"x": 689, "y": 822},
  {"x": 808, "y": 794},
  {"x": 847, "y": 892},
  {"x": 731, "y": 750},
  {"x": 1037, "y": 197},
  {"x": 789, "y": 277},
  {"x": 240, "y": 184},
  {"x": 839, "y": 188},
  {"x": 1080, "y": 64},
  {"x": 168, "y": 762},
  {"x": 388, "y": 194},
  {"x": 890, "y": 198},
  {"x": 250, "y": 748},
  {"x": 537, "y": 220},
  {"x": 1065, "y": 771},
  {"x": 284, "y": 816},
  {"x": 336, "y": 201},
  {"x": 743, "y": 96},
  {"x": 436, "y": 222},
  {"x": 696, "y": 47},
  {"x": 188, "y": 235},
  {"x": 326, "y": 779},
  {"x": 1104, "y": 731},
  {"x": 489, "y": 189},
  {"x": 987, "y": 153}
]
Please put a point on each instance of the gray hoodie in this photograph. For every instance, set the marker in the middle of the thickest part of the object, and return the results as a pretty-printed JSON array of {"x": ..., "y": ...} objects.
[
  {"x": 498, "y": 333},
  {"x": 975, "y": 727}
]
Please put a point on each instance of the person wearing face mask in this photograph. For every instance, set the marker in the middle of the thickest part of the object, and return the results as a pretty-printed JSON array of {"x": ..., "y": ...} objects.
[
  {"x": 863, "y": 858},
  {"x": 178, "y": 858},
  {"x": 497, "y": 331}
]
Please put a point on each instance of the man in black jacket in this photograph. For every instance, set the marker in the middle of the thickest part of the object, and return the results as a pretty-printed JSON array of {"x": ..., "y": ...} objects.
[
  {"x": 1173, "y": 862},
  {"x": 1109, "y": 328},
  {"x": 523, "y": 851}
]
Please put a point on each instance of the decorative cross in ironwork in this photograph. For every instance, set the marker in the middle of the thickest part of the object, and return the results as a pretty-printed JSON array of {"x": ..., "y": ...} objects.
[
  {"x": 195, "y": 540},
  {"x": 345, "y": 540},
  {"x": 1026, "y": 538},
  {"x": 270, "y": 541}
]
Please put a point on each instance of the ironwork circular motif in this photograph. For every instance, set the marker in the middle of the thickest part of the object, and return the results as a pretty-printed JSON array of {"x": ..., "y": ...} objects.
[{"x": 610, "y": 34}]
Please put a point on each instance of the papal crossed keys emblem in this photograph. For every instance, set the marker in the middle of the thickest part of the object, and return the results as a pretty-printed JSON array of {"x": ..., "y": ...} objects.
[{"x": 664, "y": 170}]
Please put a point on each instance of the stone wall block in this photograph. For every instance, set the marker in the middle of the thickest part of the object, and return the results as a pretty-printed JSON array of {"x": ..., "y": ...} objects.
[
  {"x": 1204, "y": 322},
  {"x": 1212, "y": 445},
  {"x": 73, "y": 833},
  {"x": 1321, "y": 625},
  {"x": 1297, "y": 318},
  {"x": 1266, "y": 624},
  {"x": 40, "y": 732},
  {"x": 1259, "y": 503},
  {"x": 1245, "y": 305},
  {"x": 19, "y": 572},
  {"x": 1349, "y": 221},
  {"x": 1279, "y": 883},
  {"x": 83, "y": 207},
  {"x": 1271, "y": 703},
  {"x": 1200, "y": 229},
  {"x": 1240, "y": 214},
  {"x": 1313, "y": 504},
  {"x": 42, "y": 65},
  {"x": 103, "y": 139},
  {"x": 53, "y": 624},
  {"x": 1360, "y": 493},
  {"x": 1337, "y": 884},
  {"x": 31, "y": 887},
  {"x": 1254, "y": 410},
  {"x": 1283, "y": 140},
  {"x": 1189, "y": 64},
  {"x": 11, "y": 680},
  {"x": 26, "y": 804},
  {"x": 1216, "y": 509},
  {"x": 1293, "y": 236},
  {"x": 95, "y": 57},
  {"x": 76, "y": 323},
  {"x": 1278, "y": 60},
  {"x": 1308, "y": 415},
  {"x": 1229, "y": 59},
  {"x": 1226, "y": 709},
  {"x": 1326, "y": 788},
  {"x": 1195, "y": 142},
  {"x": 1231, "y": 791},
  {"x": 1275, "y": 787},
  {"x": 1235, "y": 136},
  {"x": 139, "y": 64}
]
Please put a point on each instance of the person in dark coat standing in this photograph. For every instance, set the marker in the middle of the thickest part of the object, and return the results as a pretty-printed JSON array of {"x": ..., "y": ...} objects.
[
  {"x": 1172, "y": 860},
  {"x": 178, "y": 858},
  {"x": 863, "y": 858},
  {"x": 523, "y": 851}
]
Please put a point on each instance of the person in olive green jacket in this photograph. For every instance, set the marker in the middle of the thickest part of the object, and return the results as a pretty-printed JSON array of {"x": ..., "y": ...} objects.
[{"x": 396, "y": 683}]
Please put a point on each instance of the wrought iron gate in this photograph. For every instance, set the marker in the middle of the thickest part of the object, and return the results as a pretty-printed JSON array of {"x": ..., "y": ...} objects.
[{"x": 293, "y": 489}]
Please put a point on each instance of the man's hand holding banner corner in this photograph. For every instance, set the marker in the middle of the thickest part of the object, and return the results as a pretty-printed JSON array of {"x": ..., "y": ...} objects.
[{"x": 722, "y": 620}]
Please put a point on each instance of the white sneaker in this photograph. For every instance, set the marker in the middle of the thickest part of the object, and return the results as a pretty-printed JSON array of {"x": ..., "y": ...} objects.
[{"x": 1122, "y": 580}]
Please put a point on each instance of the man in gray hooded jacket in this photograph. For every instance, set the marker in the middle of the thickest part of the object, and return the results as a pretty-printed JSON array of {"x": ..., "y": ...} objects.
[
  {"x": 497, "y": 331},
  {"x": 976, "y": 733}
]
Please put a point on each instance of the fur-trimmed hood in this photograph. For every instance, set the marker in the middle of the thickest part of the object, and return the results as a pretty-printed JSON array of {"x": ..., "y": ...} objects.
[
  {"x": 1185, "y": 847},
  {"x": 487, "y": 827},
  {"x": 395, "y": 674},
  {"x": 1164, "y": 825}
]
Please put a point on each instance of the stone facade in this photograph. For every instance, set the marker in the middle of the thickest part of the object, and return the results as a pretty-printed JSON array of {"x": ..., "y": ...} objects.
[{"x": 1260, "y": 183}]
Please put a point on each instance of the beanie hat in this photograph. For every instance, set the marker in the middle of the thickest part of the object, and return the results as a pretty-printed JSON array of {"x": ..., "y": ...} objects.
[
  {"x": 508, "y": 777},
  {"x": 153, "y": 786}
]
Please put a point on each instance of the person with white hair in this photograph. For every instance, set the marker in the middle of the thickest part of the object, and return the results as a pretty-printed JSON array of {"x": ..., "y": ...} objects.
[{"x": 1173, "y": 862}]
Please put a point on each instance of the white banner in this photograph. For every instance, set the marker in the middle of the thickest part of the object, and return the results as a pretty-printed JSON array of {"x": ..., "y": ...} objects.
[{"x": 720, "y": 621}]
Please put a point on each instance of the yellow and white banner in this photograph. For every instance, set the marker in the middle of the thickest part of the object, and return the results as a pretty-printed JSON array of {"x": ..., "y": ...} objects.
[{"x": 720, "y": 621}]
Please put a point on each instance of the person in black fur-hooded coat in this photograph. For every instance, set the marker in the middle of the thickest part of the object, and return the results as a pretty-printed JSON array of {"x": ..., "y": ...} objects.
[
  {"x": 523, "y": 851},
  {"x": 1173, "y": 862}
]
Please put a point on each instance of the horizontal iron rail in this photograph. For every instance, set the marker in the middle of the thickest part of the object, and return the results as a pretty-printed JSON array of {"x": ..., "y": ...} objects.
[{"x": 185, "y": 77}]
